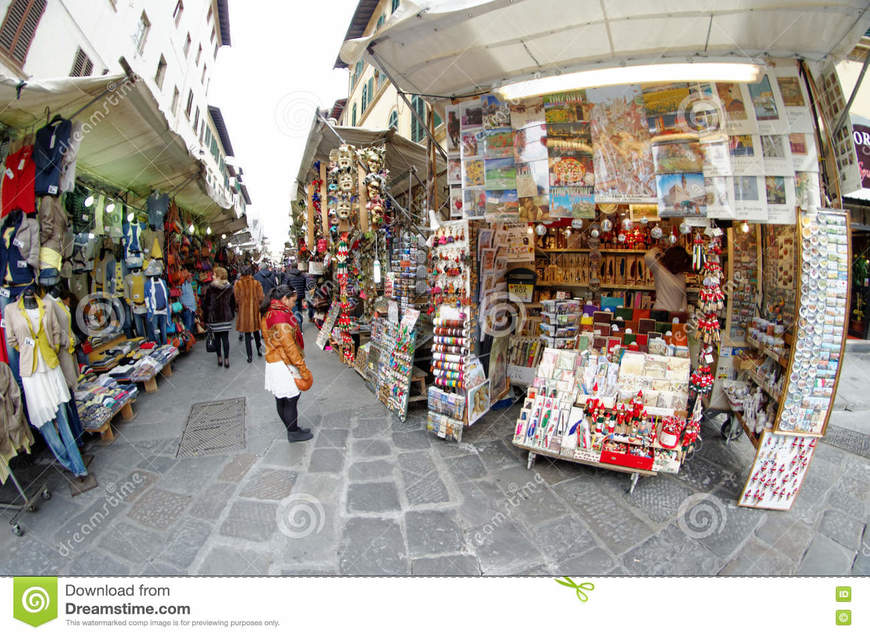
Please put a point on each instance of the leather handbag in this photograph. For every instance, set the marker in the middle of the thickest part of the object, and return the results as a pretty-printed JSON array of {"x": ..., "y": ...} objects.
[
  {"x": 210, "y": 342},
  {"x": 303, "y": 384}
]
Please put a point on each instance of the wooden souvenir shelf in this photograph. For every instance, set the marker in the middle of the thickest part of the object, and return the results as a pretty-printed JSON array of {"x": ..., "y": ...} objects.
[
  {"x": 780, "y": 359},
  {"x": 104, "y": 428},
  {"x": 752, "y": 437},
  {"x": 586, "y": 251},
  {"x": 533, "y": 452},
  {"x": 689, "y": 290},
  {"x": 776, "y": 395}
]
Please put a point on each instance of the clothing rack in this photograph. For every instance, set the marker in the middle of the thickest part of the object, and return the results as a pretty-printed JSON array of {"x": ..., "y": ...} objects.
[{"x": 23, "y": 502}]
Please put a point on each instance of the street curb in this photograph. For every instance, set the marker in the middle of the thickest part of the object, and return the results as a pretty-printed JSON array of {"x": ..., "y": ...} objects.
[{"x": 858, "y": 346}]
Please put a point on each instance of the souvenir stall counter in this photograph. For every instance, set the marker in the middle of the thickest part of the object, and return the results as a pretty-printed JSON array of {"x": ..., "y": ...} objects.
[{"x": 99, "y": 400}]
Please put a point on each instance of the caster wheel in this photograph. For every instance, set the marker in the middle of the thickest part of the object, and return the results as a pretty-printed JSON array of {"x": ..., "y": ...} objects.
[
  {"x": 33, "y": 508},
  {"x": 728, "y": 434},
  {"x": 46, "y": 494},
  {"x": 17, "y": 530}
]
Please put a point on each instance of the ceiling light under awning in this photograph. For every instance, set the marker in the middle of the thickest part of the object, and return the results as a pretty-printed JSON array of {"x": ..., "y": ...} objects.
[{"x": 648, "y": 73}]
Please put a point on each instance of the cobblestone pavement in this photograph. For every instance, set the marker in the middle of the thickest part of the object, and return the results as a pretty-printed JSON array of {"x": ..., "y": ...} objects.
[{"x": 374, "y": 495}]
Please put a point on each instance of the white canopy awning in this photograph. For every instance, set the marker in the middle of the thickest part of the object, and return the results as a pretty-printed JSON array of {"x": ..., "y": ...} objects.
[
  {"x": 457, "y": 47},
  {"x": 127, "y": 142}
]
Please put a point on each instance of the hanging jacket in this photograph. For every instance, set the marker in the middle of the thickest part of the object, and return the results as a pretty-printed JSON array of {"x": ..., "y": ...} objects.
[
  {"x": 188, "y": 297},
  {"x": 156, "y": 296},
  {"x": 134, "y": 292},
  {"x": 104, "y": 273},
  {"x": 157, "y": 205},
  {"x": 82, "y": 217},
  {"x": 67, "y": 343},
  {"x": 249, "y": 294},
  {"x": 17, "y": 190},
  {"x": 52, "y": 233},
  {"x": 25, "y": 337},
  {"x": 19, "y": 251},
  {"x": 68, "y": 163},
  {"x": 51, "y": 143},
  {"x": 133, "y": 256},
  {"x": 14, "y": 431}
]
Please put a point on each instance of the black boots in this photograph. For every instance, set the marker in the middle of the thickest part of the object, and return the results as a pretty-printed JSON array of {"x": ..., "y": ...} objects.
[{"x": 299, "y": 435}]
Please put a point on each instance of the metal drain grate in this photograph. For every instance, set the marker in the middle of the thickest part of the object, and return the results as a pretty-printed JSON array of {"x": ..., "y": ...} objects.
[{"x": 214, "y": 428}]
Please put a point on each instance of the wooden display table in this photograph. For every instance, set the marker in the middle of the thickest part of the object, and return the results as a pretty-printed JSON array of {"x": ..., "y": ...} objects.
[{"x": 105, "y": 429}]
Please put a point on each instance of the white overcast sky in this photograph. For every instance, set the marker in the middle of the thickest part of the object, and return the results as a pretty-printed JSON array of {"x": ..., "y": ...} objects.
[{"x": 267, "y": 85}]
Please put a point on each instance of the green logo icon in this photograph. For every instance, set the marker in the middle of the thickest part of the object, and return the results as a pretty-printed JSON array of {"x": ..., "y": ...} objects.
[
  {"x": 844, "y": 617},
  {"x": 844, "y": 594},
  {"x": 579, "y": 588},
  {"x": 34, "y": 599}
]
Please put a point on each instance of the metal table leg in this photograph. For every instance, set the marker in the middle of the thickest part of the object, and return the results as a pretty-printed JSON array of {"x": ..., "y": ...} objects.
[{"x": 531, "y": 461}]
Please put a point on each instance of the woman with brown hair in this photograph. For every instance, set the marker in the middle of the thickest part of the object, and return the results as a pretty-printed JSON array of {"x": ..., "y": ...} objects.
[
  {"x": 249, "y": 294},
  {"x": 218, "y": 308},
  {"x": 669, "y": 270},
  {"x": 286, "y": 373}
]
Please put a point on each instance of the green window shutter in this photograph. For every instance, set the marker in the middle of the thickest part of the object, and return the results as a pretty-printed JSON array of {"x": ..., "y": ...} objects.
[
  {"x": 365, "y": 97},
  {"x": 395, "y": 6},
  {"x": 353, "y": 117},
  {"x": 394, "y": 120}
]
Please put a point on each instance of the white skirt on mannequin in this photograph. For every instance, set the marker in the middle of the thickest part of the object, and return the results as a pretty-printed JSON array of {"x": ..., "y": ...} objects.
[{"x": 44, "y": 392}]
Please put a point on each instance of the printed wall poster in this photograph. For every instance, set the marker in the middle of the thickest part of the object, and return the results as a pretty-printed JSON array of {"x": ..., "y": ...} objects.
[
  {"x": 530, "y": 144},
  {"x": 454, "y": 171},
  {"x": 474, "y": 174},
  {"x": 478, "y": 402},
  {"x": 471, "y": 142},
  {"x": 717, "y": 157},
  {"x": 571, "y": 168},
  {"x": 677, "y": 153},
  {"x": 500, "y": 174},
  {"x": 794, "y": 100},
  {"x": 719, "y": 192},
  {"x": 739, "y": 116},
  {"x": 623, "y": 162},
  {"x": 496, "y": 113},
  {"x": 533, "y": 179},
  {"x": 750, "y": 198},
  {"x": 470, "y": 114},
  {"x": 802, "y": 147},
  {"x": 514, "y": 244},
  {"x": 777, "y": 155},
  {"x": 780, "y": 197},
  {"x": 499, "y": 143},
  {"x": 474, "y": 203},
  {"x": 807, "y": 191},
  {"x": 681, "y": 194},
  {"x": 456, "y": 202},
  {"x": 769, "y": 115},
  {"x": 745, "y": 152},
  {"x": 534, "y": 208},
  {"x": 662, "y": 104},
  {"x": 502, "y": 204},
  {"x": 573, "y": 136},
  {"x": 561, "y": 108},
  {"x": 498, "y": 358},
  {"x": 528, "y": 112},
  {"x": 452, "y": 142},
  {"x": 639, "y": 212},
  {"x": 572, "y": 202}
]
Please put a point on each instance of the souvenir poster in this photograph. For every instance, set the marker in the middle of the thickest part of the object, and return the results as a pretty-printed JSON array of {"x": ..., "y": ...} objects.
[
  {"x": 533, "y": 179},
  {"x": 681, "y": 194},
  {"x": 769, "y": 115},
  {"x": 470, "y": 114},
  {"x": 808, "y": 195},
  {"x": 643, "y": 212},
  {"x": 496, "y": 113},
  {"x": 530, "y": 144},
  {"x": 456, "y": 202},
  {"x": 474, "y": 175},
  {"x": 562, "y": 108},
  {"x": 739, "y": 118},
  {"x": 794, "y": 100},
  {"x": 745, "y": 153},
  {"x": 719, "y": 204},
  {"x": 500, "y": 174},
  {"x": 717, "y": 157},
  {"x": 499, "y": 143},
  {"x": 454, "y": 171},
  {"x": 703, "y": 110},
  {"x": 451, "y": 115},
  {"x": 484, "y": 238},
  {"x": 623, "y": 162},
  {"x": 662, "y": 103},
  {"x": 750, "y": 198},
  {"x": 571, "y": 168},
  {"x": 780, "y": 196},
  {"x": 572, "y": 202},
  {"x": 528, "y": 112},
  {"x": 534, "y": 209},
  {"x": 514, "y": 243},
  {"x": 802, "y": 147},
  {"x": 570, "y": 136},
  {"x": 470, "y": 142},
  {"x": 478, "y": 402},
  {"x": 474, "y": 203},
  {"x": 498, "y": 359},
  {"x": 776, "y": 154},
  {"x": 677, "y": 153},
  {"x": 501, "y": 204},
  {"x": 487, "y": 260}
]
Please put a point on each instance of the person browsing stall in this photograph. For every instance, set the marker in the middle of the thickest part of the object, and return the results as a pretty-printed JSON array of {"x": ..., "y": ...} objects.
[
  {"x": 669, "y": 270},
  {"x": 219, "y": 307}
]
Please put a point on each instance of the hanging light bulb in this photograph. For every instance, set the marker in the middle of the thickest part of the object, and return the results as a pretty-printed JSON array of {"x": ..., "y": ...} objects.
[
  {"x": 577, "y": 224},
  {"x": 541, "y": 229},
  {"x": 744, "y": 227},
  {"x": 223, "y": 236},
  {"x": 89, "y": 201},
  {"x": 685, "y": 228},
  {"x": 130, "y": 217},
  {"x": 191, "y": 229},
  {"x": 208, "y": 230},
  {"x": 111, "y": 207}
]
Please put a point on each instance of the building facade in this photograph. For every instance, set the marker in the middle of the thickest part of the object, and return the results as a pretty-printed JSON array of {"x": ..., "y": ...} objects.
[{"x": 172, "y": 45}]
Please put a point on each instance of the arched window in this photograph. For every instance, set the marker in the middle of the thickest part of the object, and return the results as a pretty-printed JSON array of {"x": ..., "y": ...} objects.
[
  {"x": 394, "y": 119},
  {"x": 353, "y": 116},
  {"x": 418, "y": 128}
]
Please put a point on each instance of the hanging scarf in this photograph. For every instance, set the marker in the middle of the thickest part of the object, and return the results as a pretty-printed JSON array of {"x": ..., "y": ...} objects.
[{"x": 281, "y": 313}]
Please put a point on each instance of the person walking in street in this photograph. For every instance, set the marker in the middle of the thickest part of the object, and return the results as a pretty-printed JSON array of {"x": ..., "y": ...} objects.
[
  {"x": 249, "y": 294},
  {"x": 219, "y": 307},
  {"x": 286, "y": 372},
  {"x": 188, "y": 302},
  {"x": 295, "y": 279},
  {"x": 265, "y": 278}
]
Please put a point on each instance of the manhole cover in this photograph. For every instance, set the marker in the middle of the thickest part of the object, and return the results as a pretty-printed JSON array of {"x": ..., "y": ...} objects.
[{"x": 214, "y": 428}]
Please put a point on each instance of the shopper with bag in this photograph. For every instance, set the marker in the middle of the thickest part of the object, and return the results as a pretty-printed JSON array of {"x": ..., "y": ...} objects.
[
  {"x": 218, "y": 308},
  {"x": 286, "y": 373}
]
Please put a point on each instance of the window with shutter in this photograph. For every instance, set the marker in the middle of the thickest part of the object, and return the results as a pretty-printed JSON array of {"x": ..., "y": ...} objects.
[
  {"x": 19, "y": 27},
  {"x": 353, "y": 118},
  {"x": 175, "y": 96},
  {"x": 394, "y": 120},
  {"x": 395, "y": 6},
  {"x": 418, "y": 130},
  {"x": 380, "y": 23},
  {"x": 161, "y": 72},
  {"x": 196, "y": 119},
  {"x": 189, "y": 107},
  {"x": 82, "y": 65},
  {"x": 179, "y": 9},
  {"x": 142, "y": 30},
  {"x": 187, "y": 43},
  {"x": 371, "y": 89},
  {"x": 365, "y": 97}
]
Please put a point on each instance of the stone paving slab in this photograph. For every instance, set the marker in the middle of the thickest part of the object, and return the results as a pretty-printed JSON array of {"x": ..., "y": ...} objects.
[{"x": 373, "y": 546}]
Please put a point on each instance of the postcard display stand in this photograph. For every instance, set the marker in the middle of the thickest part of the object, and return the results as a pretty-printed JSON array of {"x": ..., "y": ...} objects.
[
  {"x": 784, "y": 453},
  {"x": 395, "y": 344},
  {"x": 627, "y": 415},
  {"x": 452, "y": 342}
]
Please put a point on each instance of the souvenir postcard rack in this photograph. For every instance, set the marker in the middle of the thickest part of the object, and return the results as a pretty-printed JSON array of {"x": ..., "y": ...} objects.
[{"x": 395, "y": 344}]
